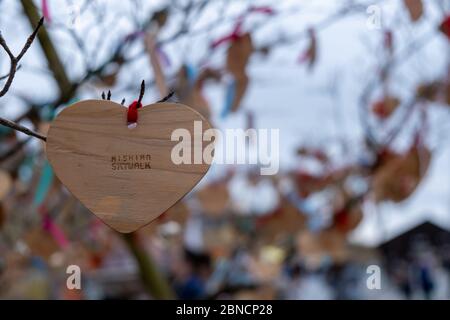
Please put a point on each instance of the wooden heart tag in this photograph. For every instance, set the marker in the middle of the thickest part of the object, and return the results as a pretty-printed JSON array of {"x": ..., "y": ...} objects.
[{"x": 125, "y": 176}]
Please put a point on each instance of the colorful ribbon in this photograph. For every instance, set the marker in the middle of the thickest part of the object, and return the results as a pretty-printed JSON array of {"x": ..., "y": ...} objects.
[
  {"x": 46, "y": 11},
  {"x": 44, "y": 184},
  {"x": 229, "y": 98}
]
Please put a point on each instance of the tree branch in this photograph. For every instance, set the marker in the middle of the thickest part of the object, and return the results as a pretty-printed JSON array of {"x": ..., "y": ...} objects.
[
  {"x": 14, "y": 60},
  {"x": 54, "y": 63},
  {"x": 18, "y": 127},
  {"x": 154, "y": 282}
]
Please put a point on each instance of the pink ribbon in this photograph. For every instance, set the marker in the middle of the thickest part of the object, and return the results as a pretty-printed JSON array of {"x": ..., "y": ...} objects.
[
  {"x": 237, "y": 31},
  {"x": 46, "y": 11},
  {"x": 55, "y": 232}
]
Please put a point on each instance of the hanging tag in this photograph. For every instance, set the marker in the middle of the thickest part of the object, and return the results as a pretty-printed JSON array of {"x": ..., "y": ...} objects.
[
  {"x": 415, "y": 9},
  {"x": 128, "y": 177},
  {"x": 5, "y": 184}
]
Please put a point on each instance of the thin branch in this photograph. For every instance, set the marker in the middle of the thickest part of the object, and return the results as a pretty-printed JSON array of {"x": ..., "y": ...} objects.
[
  {"x": 166, "y": 98},
  {"x": 7, "y": 75},
  {"x": 18, "y": 127},
  {"x": 14, "y": 60},
  {"x": 10, "y": 77},
  {"x": 141, "y": 93}
]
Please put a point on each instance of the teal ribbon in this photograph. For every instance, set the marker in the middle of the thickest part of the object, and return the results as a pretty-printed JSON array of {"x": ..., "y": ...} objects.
[
  {"x": 44, "y": 184},
  {"x": 229, "y": 98}
]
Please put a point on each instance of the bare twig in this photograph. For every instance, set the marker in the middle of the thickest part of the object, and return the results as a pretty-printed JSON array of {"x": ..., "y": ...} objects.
[
  {"x": 141, "y": 93},
  {"x": 106, "y": 97},
  {"x": 7, "y": 75},
  {"x": 166, "y": 98},
  {"x": 14, "y": 60},
  {"x": 18, "y": 127}
]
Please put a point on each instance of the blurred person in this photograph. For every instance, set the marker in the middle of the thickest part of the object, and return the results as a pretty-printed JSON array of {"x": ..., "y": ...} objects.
[
  {"x": 190, "y": 282},
  {"x": 292, "y": 283},
  {"x": 446, "y": 264},
  {"x": 424, "y": 269},
  {"x": 401, "y": 278},
  {"x": 426, "y": 279}
]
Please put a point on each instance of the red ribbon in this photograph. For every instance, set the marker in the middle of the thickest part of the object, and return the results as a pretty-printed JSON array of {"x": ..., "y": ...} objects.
[
  {"x": 233, "y": 36},
  {"x": 445, "y": 26},
  {"x": 132, "y": 114},
  {"x": 237, "y": 31},
  {"x": 52, "y": 228}
]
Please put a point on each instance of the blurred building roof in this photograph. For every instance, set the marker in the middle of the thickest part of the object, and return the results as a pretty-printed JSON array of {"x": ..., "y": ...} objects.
[{"x": 421, "y": 237}]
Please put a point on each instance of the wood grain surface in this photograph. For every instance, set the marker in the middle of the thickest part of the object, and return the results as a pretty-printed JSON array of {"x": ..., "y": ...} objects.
[{"x": 124, "y": 176}]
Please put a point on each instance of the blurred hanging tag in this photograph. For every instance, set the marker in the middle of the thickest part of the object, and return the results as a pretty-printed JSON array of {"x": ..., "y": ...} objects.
[
  {"x": 238, "y": 56},
  {"x": 310, "y": 55},
  {"x": 163, "y": 57},
  {"x": 415, "y": 9},
  {"x": 128, "y": 177},
  {"x": 286, "y": 221},
  {"x": 5, "y": 184},
  {"x": 199, "y": 102},
  {"x": 239, "y": 53},
  {"x": 160, "y": 17},
  {"x": 385, "y": 107},
  {"x": 346, "y": 220},
  {"x": 400, "y": 175},
  {"x": 214, "y": 198},
  {"x": 41, "y": 243},
  {"x": 152, "y": 50},
  {"x": 189, "y": 88}
]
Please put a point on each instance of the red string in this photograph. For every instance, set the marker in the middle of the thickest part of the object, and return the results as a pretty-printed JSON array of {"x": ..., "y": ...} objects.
[
  {"x": 132, "y": 114},
  {"x": 237, "y": 30},
  {"x": 231, "y": 37}
]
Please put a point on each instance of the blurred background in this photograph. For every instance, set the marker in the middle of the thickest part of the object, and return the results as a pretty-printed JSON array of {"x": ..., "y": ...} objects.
[{"x": 359, "y": 89}]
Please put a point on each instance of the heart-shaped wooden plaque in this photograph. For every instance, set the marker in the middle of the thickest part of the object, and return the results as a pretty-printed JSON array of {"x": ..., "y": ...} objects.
[{"x": 125, "y": 176}]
